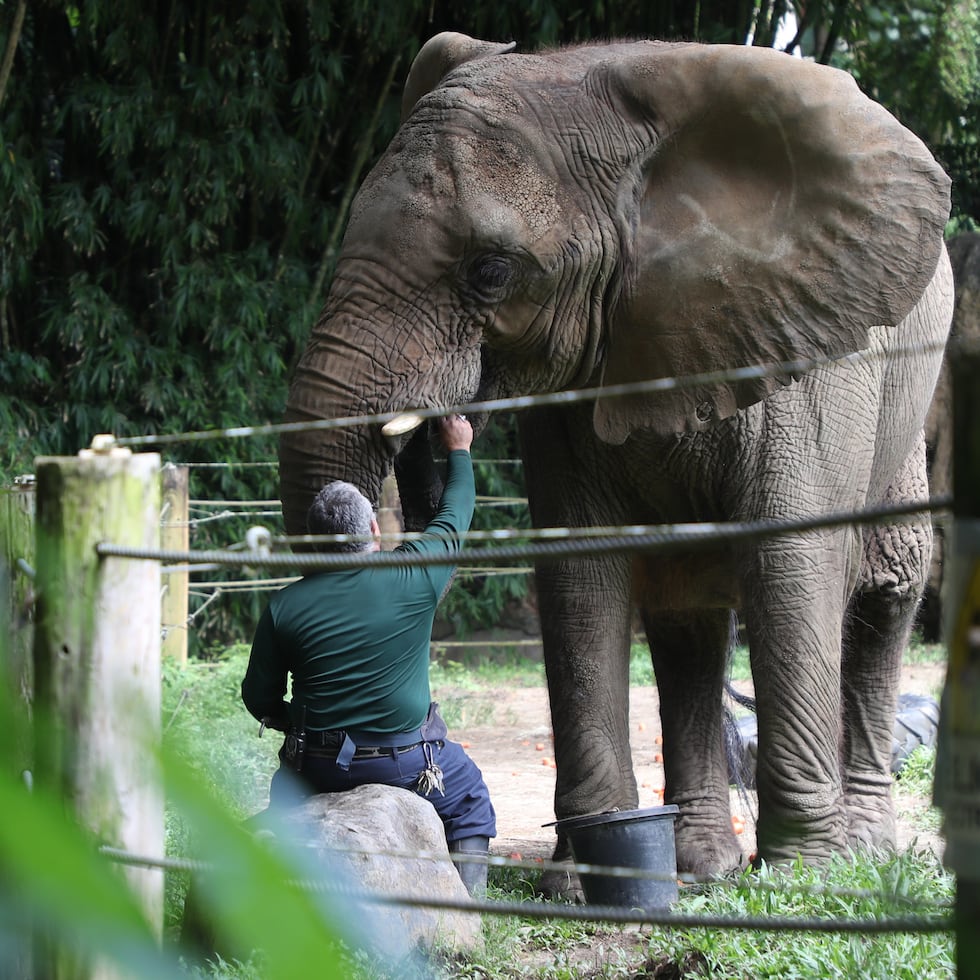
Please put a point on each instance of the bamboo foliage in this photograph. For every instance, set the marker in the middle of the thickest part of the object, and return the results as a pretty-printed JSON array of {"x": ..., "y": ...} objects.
[{"x": 175, "y": 177}]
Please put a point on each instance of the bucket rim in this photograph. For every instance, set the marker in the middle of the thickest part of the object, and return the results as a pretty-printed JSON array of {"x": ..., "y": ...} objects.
[{"x": 614, "y": 816}]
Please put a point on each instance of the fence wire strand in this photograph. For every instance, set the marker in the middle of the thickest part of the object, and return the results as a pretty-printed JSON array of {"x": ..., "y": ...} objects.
[
  {"x": 785, "y": 369},
  {"x": 578, "y": 542},
  {"x": 930, "y": 918}
]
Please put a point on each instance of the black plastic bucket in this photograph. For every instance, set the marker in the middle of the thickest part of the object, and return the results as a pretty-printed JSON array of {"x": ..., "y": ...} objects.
[{"x": 635, "y": 839}]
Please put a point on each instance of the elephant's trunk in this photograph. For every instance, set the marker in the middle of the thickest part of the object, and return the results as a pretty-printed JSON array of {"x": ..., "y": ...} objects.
[
  {"x": 332, "y": 382},
  {"x": 349, "y": 370},
  {"x": 306, "y": 464}
]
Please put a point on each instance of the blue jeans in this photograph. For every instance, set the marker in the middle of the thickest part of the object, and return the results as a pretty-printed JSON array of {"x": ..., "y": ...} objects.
[{"x": 465, "y": 808}]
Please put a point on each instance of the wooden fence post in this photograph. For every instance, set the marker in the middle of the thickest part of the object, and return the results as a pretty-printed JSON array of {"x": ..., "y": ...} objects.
[
  {"x": 175, "y": 536},
  {"x": 97, "y": 658},
  {"x": 17, "y": 652},
  {"x": 17, "y": 555},
  {"x": 958, "y": 761}
]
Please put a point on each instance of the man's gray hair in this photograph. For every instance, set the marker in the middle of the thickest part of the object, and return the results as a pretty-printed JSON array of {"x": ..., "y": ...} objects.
[{"x": 340, "y": 508}]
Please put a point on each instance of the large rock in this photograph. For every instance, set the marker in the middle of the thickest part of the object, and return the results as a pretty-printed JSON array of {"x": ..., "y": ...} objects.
[
  {"x": 360, "y": 832},
  {"x": 347, "y": 843}
]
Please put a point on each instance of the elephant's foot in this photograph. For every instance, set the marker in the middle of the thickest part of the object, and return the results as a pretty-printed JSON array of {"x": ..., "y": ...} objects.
[
  {"x": 707, "y": 848},
  {"x": 562, "y": 886},
  {"x": 559, "y": 884},
  {"x": 870, "y": 821},
  {"x": 784, "y": 837}
]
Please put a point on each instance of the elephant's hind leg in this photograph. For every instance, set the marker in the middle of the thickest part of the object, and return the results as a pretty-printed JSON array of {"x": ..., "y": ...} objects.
[{"x": 879, "y": 624}]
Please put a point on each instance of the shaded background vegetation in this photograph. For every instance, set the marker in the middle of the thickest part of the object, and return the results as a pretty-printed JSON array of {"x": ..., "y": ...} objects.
[{"x": 176, "y": 176}]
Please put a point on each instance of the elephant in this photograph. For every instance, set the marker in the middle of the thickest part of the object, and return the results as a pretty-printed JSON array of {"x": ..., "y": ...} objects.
[{"x": 596, "y": 216}]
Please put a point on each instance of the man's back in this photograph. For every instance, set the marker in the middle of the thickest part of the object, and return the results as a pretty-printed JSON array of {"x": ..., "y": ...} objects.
[{"x": 356, "y": 641}]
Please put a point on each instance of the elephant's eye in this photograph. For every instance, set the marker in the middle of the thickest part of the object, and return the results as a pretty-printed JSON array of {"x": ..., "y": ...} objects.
[{"x": 490, "y": 274}]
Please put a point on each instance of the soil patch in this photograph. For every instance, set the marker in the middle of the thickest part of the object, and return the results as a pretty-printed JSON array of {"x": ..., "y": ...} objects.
[{"x": 507, "y": 731}]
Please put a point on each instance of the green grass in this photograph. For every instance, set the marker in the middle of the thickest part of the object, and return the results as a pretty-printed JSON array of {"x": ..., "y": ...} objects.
[
  {"x": 856, "y": 887},
  {"x": 205, "y": 721},
  {"x": 206, "y": 725},
  {"x": 510, "y": 669},
  {"x": 918, "y": 652},
  {"x": 859, "y": 887}
]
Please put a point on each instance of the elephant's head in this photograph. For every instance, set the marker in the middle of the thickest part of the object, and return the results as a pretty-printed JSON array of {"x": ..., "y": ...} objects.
[{"x": 607, "y": 214}]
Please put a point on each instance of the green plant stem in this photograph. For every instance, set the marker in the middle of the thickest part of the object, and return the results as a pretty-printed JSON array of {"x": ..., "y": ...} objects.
[
  {"x": 12, "y": 42},
  {"x": 353, "y": 181}
]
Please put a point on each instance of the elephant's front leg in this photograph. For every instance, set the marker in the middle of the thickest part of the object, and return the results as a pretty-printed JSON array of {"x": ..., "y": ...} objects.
[
  {"x": 795, "y": 592},
  {"x": 689, "y": 651},
  {"x": 585, "y": 625}
]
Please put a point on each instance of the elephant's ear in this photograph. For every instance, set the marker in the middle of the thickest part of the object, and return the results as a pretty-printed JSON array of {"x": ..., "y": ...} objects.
[
  {"x": 773, "y": 214},
  {"x": 440, "y": 55}
]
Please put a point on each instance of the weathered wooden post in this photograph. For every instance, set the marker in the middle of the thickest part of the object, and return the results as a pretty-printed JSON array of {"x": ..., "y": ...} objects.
[
  {"x": 17, "y": 653},
  {"x": 175, "y": 536},
  {"x": 958, "y": 762},
  {"x": 17, "y": 551},
  {"x": 97, "y": 661}
]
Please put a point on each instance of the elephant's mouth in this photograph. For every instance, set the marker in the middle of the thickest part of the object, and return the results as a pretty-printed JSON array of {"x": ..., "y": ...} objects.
[
  {"x": 420, "y": 475},
  {"x": 420, "y": 483}
]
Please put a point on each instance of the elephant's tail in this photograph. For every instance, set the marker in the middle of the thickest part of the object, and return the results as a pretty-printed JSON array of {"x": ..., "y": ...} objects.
[
  {"x": 741, "y": 744},
  {"x": 743, "y": 699}
]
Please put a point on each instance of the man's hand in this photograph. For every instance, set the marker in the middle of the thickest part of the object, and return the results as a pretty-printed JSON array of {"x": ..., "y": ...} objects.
[{"x": 456, "y": 432}]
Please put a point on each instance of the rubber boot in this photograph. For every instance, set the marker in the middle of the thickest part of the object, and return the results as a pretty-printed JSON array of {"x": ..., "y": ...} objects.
[{"x": 473, "y": 873}]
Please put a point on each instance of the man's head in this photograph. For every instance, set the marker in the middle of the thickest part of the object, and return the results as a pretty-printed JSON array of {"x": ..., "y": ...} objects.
[{"x": 340, "y": 508}]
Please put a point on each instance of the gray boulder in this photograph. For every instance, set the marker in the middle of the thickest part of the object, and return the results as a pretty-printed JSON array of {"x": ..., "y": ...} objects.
[
  {"x": 346, "y": 844},
  {"x": 360, "y": 835}
]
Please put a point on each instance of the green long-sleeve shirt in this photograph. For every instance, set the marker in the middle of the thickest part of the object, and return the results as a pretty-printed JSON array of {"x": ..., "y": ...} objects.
[{"x": 356, "y": 641}]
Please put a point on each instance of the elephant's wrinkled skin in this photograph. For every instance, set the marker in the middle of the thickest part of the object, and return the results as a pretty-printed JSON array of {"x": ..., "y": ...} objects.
[{"x": 611, "y": 213}]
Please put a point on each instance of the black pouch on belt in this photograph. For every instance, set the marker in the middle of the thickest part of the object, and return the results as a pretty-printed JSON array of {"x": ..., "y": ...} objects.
[
  {"x": 293, "y": 749},
  {"x": 434, "y": 728}
]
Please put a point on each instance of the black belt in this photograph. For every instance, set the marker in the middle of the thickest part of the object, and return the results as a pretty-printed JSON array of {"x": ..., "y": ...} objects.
[
  {"x": 328, "y": 743},
  {"x": 362, "y": 751}
]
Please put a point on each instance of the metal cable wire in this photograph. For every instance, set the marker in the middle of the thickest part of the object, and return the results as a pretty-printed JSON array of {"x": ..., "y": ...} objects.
[
  {"x": 579, "y": 542},
  {"x": 939, "y": 921},
  {"x": 273, "y": 462},
  {"x": 195, "y": 502},
  {"x": 237, "y": 509},
  {"x": 521, "y": 402},
  {"x": 246, "y": 583}
]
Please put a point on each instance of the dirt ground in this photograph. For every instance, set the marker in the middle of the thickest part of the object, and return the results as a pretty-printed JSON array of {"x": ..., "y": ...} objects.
[{"x": 508, "y": 733}]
